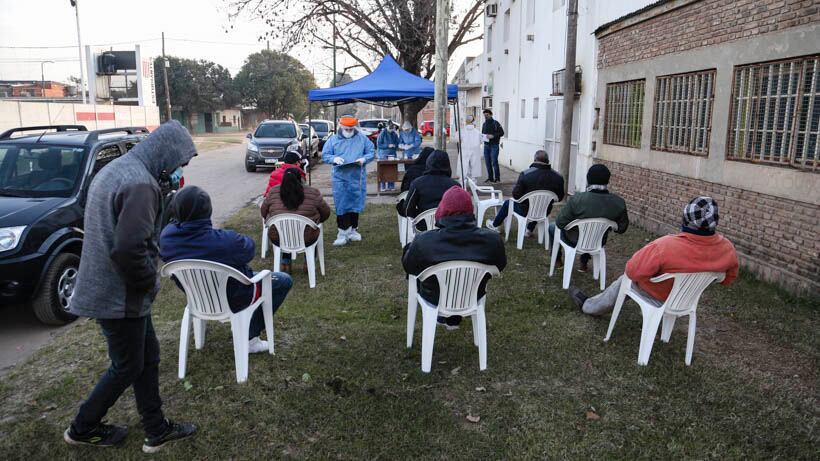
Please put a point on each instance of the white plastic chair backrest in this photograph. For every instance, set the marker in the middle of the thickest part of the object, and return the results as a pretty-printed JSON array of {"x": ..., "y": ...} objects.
[
  {"x": 291, "y": 230},
  {"x": 458, "y": 283},
  {"x": 473, "y": 190},
  {"x": 591, "y": 233},
  {"x": 401, "y": 196},
  {"x": 428, "y": 216},
  {"x": 539, "y": 203},
  {"x": 204, "y": 283},
  {"x": 687, "y": 288}
]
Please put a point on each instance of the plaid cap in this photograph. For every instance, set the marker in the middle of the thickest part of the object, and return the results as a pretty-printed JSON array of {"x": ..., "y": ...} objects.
[{"x": 701, "y": 213}]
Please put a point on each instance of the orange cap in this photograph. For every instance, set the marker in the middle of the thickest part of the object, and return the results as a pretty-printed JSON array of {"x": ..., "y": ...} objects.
[{"x": 348, "y": 121}]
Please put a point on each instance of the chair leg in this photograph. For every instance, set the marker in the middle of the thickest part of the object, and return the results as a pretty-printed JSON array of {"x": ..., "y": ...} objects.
[
  {"x": 277, "y": 259},
  {"x": 556, "y": 247},
  {"x": 310, "y": 260},
  {"x": 546, "y": 226},
  {"x": 540, "y": 228},
  {"x": 508, "y": 224},
  {"x": 482, "y": 209},
  {"x": 690, "y": 340},
  {"x": 183, "y": 342},
  {"x": 428, "y": 337},
  {"x": 265, "y": 241},
  {"x": 474, "y": 321},
  {"x": 267, "y": 312},
  {"x": 199, "y": 333},
  {"x": 522, "y": 228},
  {"x": 569, "y": 261},
  {"x": 651, "y": 321},
  {"x": 239, "y": 329},
  {"x": 321, "y": 247},
  {"x": 602, "y": 269},
  {"x": 412, "y": 305},
  {"x": 482, "y": 338},
  {"x": 667, "y": 326},
  {"x": 595, "y": 266},
  {"x": 625, "y": 286}
]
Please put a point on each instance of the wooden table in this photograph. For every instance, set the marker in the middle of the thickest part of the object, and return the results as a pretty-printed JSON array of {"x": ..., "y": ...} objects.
[{"x": 388, "y": 171}]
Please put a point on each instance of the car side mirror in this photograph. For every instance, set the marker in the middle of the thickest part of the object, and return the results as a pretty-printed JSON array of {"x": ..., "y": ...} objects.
[{"x": 249, "y": 136}]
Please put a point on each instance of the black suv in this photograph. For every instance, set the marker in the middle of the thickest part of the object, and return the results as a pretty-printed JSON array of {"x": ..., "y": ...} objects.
[
  {"x": 269, "y": 142},
  {"x": 44, "y": 178}
]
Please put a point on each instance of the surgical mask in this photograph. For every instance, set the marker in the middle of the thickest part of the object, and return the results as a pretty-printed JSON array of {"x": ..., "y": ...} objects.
[
  {"x": 176, "y": 177},
  {"x": 347, "y": 133}
]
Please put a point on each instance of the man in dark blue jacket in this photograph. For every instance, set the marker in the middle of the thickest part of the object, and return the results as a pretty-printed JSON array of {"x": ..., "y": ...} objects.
[{"x": 191, "y": 235}]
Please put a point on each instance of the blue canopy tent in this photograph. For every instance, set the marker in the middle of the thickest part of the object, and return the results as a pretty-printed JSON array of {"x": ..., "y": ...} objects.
[{"x": 388, "y": 85}]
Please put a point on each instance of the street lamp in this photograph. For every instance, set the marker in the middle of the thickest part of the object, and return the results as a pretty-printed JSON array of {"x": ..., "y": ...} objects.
[
  {"x": 75, "y": 4},
  {"x": 43, "y": 77}
]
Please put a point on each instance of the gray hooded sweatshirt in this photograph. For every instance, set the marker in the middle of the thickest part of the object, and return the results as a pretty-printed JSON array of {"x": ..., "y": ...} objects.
[{"x": 118, "y": 275}]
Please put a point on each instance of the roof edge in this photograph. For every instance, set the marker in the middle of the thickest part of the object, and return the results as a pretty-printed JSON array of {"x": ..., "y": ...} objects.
[{"x": 640, "y": 15}]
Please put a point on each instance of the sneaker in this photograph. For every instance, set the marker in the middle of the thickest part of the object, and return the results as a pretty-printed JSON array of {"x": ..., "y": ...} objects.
[
  {"x": 341, "y": 239},
  {"x": 285, "y": 267},
  {"x": 443, "y": 322},
  {"x": 583, "y": 266},
  {"x": 176, "y": 431},
  {"x": 488, "y": 181},
  {"x": 490, "y": 225},
  {"x": 104, "y": 435},
  {"x": 578, "y": 297},
  {"x": 353, "y": 235},
  {"x": 257, "y": 345},
  {"x": 527, "y": 233}
]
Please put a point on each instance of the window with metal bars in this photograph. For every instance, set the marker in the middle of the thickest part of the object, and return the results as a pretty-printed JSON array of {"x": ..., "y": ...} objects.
[
  {"x": 682, "y": 117},
  {"x": 623, "y": 118},
  {"x": 775, "y": 113}
]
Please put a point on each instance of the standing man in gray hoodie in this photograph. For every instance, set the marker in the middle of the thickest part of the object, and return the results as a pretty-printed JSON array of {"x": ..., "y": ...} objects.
[{"x": 117, "y": 282}]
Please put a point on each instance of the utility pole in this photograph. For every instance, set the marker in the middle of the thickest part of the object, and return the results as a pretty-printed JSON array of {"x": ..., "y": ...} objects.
[
  {"x": 165, "y": 66},
  {"x": 268, "y": 44},
  {"x": 442, "y": 56},
  {"x": 335, "y": 106},
  {"x": 43, "y": 77},
  {"x": 569, "y": 92},
  {"x": 75, "y": 4}
]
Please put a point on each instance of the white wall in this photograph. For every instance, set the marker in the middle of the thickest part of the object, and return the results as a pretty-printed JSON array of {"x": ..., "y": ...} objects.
[{"x": 15, "y": 114}]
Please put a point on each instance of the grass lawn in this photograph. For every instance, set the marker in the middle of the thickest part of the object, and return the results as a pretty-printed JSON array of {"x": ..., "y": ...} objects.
[{"x": 343, "y": 385}]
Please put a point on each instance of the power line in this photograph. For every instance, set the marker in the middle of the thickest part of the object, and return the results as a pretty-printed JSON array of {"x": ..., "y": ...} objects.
[
  {"x": 213, "y": 42},
  {"x": 32, "y": 47}
]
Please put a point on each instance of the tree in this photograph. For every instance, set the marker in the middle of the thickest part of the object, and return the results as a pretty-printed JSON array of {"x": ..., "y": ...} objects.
[
  {"x": 195, "y": 86},
  {"x": 367, "y": 29},
  {"x": 275, "y": 83}
]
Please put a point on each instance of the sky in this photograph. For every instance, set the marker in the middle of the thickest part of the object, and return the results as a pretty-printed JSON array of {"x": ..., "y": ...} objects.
[{"x": 197, "y": 29}]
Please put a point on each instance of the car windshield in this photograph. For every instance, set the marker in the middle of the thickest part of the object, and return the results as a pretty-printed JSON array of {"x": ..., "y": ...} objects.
[
  {"x": 322, "y": 127},
  {"x": 28, "y": 170},
  {"x": 275, "y": 130},
  {"x": 370, "y": 123},
  {"x": 305, "y": 130}
]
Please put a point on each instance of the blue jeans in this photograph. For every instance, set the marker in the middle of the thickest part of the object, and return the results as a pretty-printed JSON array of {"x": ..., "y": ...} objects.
[
  {"x": 134, "y": 352},
  {"x": 505, "y": 210},
  {"x": 282, "y": 283},
  {"x": 491, "y": 161}
]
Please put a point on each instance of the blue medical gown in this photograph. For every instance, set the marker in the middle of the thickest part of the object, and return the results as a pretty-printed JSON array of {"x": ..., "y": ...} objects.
[
  {"x": 349, "y": 179},
  {"x": 411, "y": 137},
  {"x": 384, "y": 140}
]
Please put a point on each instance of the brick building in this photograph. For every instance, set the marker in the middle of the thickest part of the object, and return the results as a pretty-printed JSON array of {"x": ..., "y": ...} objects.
[
  {"x": 720, "y": 98},
  {"x": 33, "y": 88}
]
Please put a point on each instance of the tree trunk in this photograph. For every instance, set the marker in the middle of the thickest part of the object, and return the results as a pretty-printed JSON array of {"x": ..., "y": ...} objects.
[{"x": 410, "y": 111}]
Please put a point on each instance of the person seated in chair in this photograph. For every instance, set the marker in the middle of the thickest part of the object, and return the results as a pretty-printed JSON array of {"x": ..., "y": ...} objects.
[
  {"x": 291, "y": 161},
  {"x": 539, "y": 176},
  {"x": 697, "y": 248},
  {"x": 293, "y": 197},
  {"x": 426, "y": 191},
  {"x": 457, "y": 238},
  {"x": 411, "y": 173},
  {"x": 190, "y": 235},
  {"x": 596, "y": 202}
]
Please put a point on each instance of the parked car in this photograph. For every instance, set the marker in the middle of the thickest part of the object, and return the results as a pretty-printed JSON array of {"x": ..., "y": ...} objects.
[
  {"x": 427, "y": 128},
  {"x": 370, "y": 127},
  {"x": 310, "y": 140},
  {"x": 324, "y": 129},
  {"x": 44, "y": 179},
  {"x": 269, "y": 142}
]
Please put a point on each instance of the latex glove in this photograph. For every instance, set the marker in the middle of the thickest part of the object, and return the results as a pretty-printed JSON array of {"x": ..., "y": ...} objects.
[
  {"x": 360, "y": 161},
  {"x": 338, "y": 161},
  {"x": 392, "y": 146},
  {"x": 490, "y": 136}
]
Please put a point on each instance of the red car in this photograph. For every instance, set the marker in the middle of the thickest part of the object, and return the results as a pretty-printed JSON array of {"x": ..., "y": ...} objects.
[{"x": 427, "y": 128}]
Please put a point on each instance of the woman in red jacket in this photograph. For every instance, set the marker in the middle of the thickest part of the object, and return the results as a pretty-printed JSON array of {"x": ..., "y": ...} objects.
[{"x": 291, "y": 160}]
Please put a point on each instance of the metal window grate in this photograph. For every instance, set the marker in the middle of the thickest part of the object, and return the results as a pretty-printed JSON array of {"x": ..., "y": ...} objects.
[
  {"x": 623, "y": 118},
  {"x": 682, "y": 119},
  {"x": 775, "y": 113}
]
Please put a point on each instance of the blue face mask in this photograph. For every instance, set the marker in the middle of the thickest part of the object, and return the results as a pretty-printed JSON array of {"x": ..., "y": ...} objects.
[{"x": 176, "y": 176}]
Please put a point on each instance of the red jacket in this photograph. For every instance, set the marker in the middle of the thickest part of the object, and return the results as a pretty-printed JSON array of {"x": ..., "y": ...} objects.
[
  {"x": 684, "y": 252},
  {"x": 276, "y": 176}
]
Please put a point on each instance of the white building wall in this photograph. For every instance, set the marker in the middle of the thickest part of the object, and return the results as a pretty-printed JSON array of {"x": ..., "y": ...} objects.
[
  {"x": 520, "y": 66},
  {"x": 15, "y": 114}
]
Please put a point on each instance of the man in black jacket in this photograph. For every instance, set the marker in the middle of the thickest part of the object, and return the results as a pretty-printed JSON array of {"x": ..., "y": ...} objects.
[
  {"x": 492, "y": 132},
  {"x": 413, "y": 172},
  {"x": 425, "y": 192},
  {"x": 456, "y": 239},
  {"x": 539, "y": 176}
]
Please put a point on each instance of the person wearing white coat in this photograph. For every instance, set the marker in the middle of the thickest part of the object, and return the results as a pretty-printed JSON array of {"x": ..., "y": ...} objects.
[{"x": 471, "y": 149}]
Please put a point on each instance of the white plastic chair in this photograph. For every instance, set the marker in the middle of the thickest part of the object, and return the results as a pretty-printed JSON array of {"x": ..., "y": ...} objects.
[
  {"x": 291, "y": 230},
  {"x": 539, "y": 203},
  {"x": 496, "y": 199},
  {"x": 403, "y": 221},
  {"x": 429, "y": 218},
  {"x": 204, "y": 283},
  {"x": 683, "y": 300},
  {"x": 591, "y": 233},
  {"x": 265, "y": 241},
  {"x": 458, "y": 283}
]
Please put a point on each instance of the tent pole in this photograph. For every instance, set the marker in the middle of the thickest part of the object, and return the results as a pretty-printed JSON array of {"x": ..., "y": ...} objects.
[
  {"x": 310, "y": 143},
  {"x": 458, "y": 144}
]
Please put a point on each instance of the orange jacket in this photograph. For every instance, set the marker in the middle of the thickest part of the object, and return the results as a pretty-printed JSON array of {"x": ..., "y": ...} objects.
[
  {"x": 684, "y": 252},
  {"x": 277, "y": 174}
]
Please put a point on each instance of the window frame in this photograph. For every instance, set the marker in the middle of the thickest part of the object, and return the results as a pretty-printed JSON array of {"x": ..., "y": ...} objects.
[
  {"x": 690, "y": 104},
  {"x": 536, "y": 103},
  {"x": 790, "y": 162},
  {"x": 523, "y": 108},
  {"x": 640, "y": 118}
]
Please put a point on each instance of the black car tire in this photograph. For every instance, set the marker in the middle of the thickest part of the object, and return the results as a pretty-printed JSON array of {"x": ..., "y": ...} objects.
[
  {"x": 250, "y": 168},
  {"x": 51, "y": 301}
]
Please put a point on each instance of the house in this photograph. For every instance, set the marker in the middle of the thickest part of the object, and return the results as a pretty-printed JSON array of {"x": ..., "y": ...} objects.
[
  {"x": 469, "y": 77},
  {"x": 719, "y": 98},
  {"x": 219, "y": 121},
  {"x": 33, "y": 89}
]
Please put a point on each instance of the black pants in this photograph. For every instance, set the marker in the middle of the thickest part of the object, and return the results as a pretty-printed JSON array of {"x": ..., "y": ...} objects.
[
  {"x": 134, "y": 352},
  {"x": 348, "y": 220}
]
